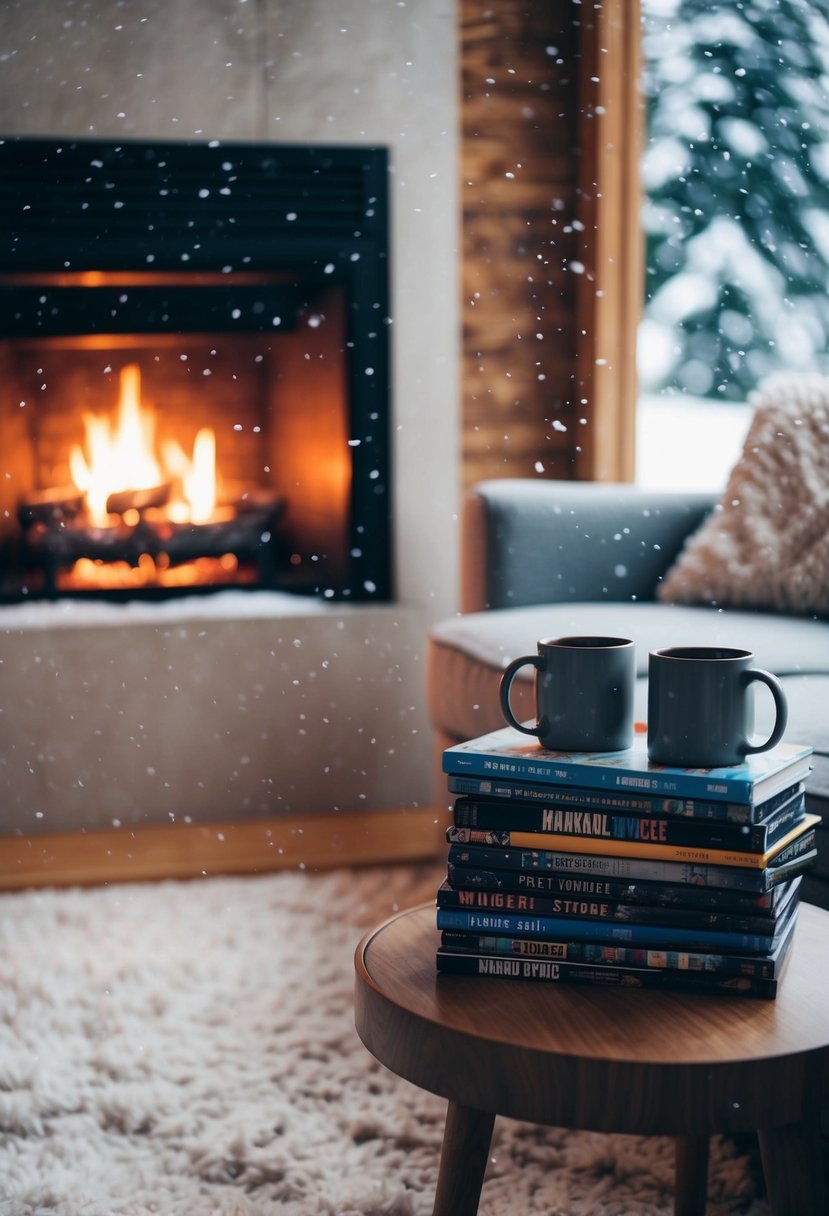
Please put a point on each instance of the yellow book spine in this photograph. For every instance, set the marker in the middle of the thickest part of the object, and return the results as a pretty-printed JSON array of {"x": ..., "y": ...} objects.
[{"x": 652, "y": 852}]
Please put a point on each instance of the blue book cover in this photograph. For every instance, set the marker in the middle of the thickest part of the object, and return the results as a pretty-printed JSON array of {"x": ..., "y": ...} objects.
[
  {"x": 692, "y": 962},
  {"x": 509, "y": 753},
  {"x": 659, "y": 937}
]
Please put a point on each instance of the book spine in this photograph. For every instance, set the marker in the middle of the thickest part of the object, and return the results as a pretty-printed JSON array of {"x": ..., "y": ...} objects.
[
  {"x": 472, "y": 878},
  {"x": 605, "y": 825},
  {"x": 607, "y": 800},
  {"x": 784, "y": 817},
  {"x": 532, "y": 769},
  {"x": 552, "y": 841},
  {"x": 609, "y": 911},
  {"x": 593, "y": 866},
  {"x": 624, "y": 911},
  {"x": 583, "y": 973},
  {"x": 801, "y": 845},
  {"x": 600, "y": 955},
  {"x": 656, "y": 936}
]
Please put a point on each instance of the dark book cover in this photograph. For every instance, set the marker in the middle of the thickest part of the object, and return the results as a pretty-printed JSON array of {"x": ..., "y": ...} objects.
[
  {"x": 552, "y": 971},
  {"x": 797, "y": 837},
  {"x": 587, "y": 907},
  {"x": 473, "y": 878},
  {"x": 588, "y": 865},
  {"x": 609, "y": 825},
  {"x": 619, "y": 802}
]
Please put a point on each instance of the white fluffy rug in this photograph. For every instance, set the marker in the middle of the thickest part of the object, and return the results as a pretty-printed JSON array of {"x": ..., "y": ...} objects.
[{"x": 188, "y": 1049}]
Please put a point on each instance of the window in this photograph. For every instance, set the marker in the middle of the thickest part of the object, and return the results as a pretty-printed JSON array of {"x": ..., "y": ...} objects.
[{"x": 735, "y": 174}]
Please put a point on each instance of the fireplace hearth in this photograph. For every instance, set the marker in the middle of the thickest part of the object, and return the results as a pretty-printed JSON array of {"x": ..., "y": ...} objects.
[{"x": 194, "y": 357}]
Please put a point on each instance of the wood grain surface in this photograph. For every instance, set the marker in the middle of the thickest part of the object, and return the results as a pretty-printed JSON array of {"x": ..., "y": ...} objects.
[
  {"x": 630, "y": 1060},
  {"x": 551, "y": 261},
  {"x": 241, "y": 846}
]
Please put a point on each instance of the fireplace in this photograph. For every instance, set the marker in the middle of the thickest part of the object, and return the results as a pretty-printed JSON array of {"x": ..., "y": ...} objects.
[{"x": 195, "y": 369}]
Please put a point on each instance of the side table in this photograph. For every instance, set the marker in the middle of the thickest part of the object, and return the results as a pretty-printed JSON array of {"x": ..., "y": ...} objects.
[{"x": 641, "y": 1061}]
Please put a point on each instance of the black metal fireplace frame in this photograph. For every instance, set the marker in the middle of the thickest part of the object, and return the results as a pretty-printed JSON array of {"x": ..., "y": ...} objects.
[{"x": 319, "y": 213}]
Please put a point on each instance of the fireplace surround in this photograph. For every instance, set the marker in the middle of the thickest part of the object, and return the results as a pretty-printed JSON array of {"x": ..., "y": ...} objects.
[
  {"x": 241, "y": 704},
  {"x": 245, "y": 289}
]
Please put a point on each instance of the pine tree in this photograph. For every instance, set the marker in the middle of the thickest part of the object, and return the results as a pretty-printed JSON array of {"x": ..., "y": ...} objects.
[{"x": 736, "y": 174}]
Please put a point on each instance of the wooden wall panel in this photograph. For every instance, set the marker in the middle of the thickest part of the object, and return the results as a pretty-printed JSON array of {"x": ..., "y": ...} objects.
[
  {"x": 519, "y": 180},
  {"x": 551, "y": 246}
]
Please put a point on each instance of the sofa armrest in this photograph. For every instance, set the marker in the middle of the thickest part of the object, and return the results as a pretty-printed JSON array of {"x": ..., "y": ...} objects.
[{"x": 534, "y": 542}]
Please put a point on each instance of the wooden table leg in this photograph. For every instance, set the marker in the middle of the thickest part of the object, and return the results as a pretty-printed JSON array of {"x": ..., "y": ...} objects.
[
  {"x": 691, "y": 1180},
  {"x": 463, "y": 1159},
  {"x": 794, "y": 1169}
]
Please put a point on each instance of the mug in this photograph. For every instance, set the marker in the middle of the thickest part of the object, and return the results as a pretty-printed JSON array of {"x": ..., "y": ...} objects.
[
  {"x": 583, "y": 693},
  {"x": 701, "y": 709}
]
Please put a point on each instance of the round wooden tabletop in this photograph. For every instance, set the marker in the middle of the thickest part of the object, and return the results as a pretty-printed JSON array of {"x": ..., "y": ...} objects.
[{"x": 609, "y": 1059}]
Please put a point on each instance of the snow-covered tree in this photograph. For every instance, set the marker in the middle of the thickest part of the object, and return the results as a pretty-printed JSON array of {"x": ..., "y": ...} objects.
[{"x": 736, "y": 178}]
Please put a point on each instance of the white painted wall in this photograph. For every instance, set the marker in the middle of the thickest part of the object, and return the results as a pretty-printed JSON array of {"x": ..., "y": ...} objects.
[{"x": 355, "y": 71}]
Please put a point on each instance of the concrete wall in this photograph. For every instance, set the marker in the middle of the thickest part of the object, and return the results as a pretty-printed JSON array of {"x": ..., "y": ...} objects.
[
  {"x": 355, "y": 71},
  {"x": 204, "y": 710}
]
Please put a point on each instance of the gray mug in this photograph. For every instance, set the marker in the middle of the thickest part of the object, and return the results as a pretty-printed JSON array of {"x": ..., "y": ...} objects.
[
  {"x": 583, "y": 693},
  {"x": 701, "y": 709}
]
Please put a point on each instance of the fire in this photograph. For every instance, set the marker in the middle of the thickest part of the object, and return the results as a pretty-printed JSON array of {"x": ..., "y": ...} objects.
[{"x": 124, "y": 458}]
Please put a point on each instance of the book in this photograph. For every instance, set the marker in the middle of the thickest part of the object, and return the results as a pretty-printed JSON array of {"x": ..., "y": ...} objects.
[
  {"x": 669, "y": 894},
  {"x": 608, "y": 825},
  {"x": 787, "y": 864},
  {"x": 508, "y": 753},
  {"x": 601, "y": 954},
  {"x": 662, "y": 937},
  {"x": 694, "y": 854},
  {"x": 553, "y": 971},
  {"x": 595, "y": 908},
  {"x": 617, "y": 801}
]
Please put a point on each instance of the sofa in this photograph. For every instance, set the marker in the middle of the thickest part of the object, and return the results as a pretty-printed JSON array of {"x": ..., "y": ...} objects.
[{"x": 550, "y": 559}]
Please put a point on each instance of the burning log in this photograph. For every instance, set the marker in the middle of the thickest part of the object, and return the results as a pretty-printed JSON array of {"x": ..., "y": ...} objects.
[
  {"x": 57, "y": 547},
  {"x": 249, "y": 535},
  {"x": 244, "y": 535},
  {"x": 138, "y": 500},
  {"x": 55, "y": 507}
]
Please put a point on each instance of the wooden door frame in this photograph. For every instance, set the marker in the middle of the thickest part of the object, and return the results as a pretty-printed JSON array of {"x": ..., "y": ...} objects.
[{"x": 611, "y": 283}]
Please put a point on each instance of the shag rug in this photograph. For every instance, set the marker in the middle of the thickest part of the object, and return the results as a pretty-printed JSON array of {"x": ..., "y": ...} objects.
[{"x": 188, "y": 1049}]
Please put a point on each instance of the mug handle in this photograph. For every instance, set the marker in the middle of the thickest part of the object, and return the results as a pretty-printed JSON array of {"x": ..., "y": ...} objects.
[
  {"x": 765, "y": 677},
  {"x": 532, "y": 660}
]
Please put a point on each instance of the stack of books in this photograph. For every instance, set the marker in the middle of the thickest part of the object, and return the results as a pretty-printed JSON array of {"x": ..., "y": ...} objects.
[{"x": 608, "y": 869}]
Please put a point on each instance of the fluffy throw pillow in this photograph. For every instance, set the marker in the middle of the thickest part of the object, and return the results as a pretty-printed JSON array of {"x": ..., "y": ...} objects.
[{"x": 767, "y": 542}]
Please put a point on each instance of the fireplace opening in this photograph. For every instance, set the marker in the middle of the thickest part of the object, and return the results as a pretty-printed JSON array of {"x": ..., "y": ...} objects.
[{"x": 194, "y": 360}]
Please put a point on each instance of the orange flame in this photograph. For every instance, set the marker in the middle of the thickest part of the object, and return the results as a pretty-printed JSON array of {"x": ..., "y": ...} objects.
[{"x": 124, "y": 458}]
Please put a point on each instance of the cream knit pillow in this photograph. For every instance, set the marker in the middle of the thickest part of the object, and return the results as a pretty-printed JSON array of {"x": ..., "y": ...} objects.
[{"x": 767, "y": 542}]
